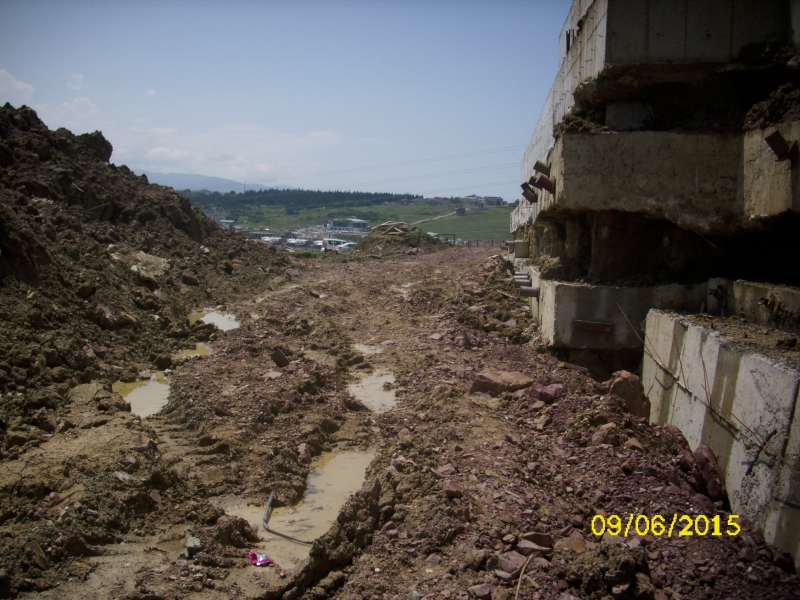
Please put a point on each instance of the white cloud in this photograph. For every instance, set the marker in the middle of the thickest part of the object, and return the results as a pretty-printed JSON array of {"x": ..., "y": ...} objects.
[
  {"x": 235, "y": 151},
  {"x": 78, "y": 115},
  {"x": 76, "y": 81},
  {"x": 151, "y": 92},
  {"x": 13, "y": 90}
]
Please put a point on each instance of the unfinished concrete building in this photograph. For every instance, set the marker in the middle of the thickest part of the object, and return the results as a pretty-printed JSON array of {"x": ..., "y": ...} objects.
[{"x": 661, "y": 186}]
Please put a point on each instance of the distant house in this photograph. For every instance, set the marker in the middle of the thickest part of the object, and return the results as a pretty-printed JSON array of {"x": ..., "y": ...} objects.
[
  {"x": 351, "y": 223},
  {"x": 494, "y": 201}
]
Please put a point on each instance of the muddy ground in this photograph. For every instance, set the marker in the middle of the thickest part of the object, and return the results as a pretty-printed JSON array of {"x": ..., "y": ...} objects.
[
  {"x": 459, "y": 481},
  {"x": 486, "y": 474}
]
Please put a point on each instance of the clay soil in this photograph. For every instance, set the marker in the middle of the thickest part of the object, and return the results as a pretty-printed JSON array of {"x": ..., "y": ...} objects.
[{"x": 98, "y": 503}]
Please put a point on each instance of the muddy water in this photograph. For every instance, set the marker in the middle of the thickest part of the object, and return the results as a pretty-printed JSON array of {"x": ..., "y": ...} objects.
[
  {"x": 336, "y": 476},
  {"x": 365, "y": 349},
  {"x": 200, "y": 349},
  {"x": 222, "y": 320},
  {"x": 146, "y": 397},
  {"x": 371, "y": 392}
]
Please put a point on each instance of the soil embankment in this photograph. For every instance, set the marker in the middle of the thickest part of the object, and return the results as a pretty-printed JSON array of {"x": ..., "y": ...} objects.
[{"x": 492, "y": 455}]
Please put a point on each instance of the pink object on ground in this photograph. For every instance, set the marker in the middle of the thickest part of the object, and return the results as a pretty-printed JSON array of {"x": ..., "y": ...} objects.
[{"x": 260, "y": 560}]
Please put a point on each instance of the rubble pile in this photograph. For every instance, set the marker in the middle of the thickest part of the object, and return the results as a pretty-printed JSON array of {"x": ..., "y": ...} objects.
[{"x": 392, "y": 237}]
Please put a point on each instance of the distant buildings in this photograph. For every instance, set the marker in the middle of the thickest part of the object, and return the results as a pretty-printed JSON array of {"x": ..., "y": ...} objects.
[{"x": 351, "y": 223}]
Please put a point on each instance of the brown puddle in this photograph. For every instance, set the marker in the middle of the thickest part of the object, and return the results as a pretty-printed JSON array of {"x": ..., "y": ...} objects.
[
  {"x": 146, "y": 397},
  {"x": 365, "y": 349},
  {"x": 200, "y": 349},
  {"x": 336, "y": 476},
  {"x": 223, "y": 321},
  {"x": 371, "y": 392}
]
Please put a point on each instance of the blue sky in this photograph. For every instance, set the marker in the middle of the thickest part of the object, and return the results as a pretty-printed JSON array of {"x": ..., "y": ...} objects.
[{"x": 285, "y": 93}]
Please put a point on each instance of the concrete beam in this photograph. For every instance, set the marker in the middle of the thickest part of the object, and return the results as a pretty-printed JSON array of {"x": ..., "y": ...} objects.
[{"x": 731, "y": 400}]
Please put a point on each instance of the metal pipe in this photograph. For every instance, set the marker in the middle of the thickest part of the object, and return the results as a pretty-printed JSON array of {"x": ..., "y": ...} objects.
[{"x": 529, "y": 292}]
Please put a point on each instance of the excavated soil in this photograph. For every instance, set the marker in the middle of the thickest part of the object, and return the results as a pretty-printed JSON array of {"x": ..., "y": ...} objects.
[{"x": 97, "y": 502}]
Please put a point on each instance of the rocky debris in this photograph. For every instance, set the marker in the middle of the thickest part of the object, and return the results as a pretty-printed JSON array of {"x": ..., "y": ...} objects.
[
  {"x": 546, "y": 393},
  {"x": 606, "y": 434},
  {"x": 496, "y": 382},
  {"x": 628, "y": 387},
  {"x": 193, "y": 546},
  {"x": 711, "y": 472}
]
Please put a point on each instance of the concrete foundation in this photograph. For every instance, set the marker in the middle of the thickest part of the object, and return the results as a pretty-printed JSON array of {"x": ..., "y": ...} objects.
[
  {"x": 733, "y": 401},
  {"x": 580, "y": 316}
]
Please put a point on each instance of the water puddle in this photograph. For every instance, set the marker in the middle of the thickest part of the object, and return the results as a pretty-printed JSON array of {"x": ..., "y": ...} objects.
[
  {"x": 200, "y": 349},
  {"x": 365, "y": 349},
  {"x": 146, "y": 397},
  {"x": 335, "y": 477},
  {"x": 373, "y": 392},
  {"x": 222, "y": 320}
]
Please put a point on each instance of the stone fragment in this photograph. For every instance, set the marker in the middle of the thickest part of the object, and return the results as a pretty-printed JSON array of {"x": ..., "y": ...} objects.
[
  {"x": 279, "y": 358},
  {"x": 36, "y": 555},
  {"x": 155, "y": 497},
  {"x": 121, "y": 476},
  {"x": 373, "y": 488},
  {"x": 633, "y": 444},
  {"x": 711, "y": 472},
  {"x": 193, "y": 546},
  {"x": 392, "y": 534},
  {"x": 628, "y": 387},
  {"x": 481, "y": 591},
  {"x": 540, "y": 539},
  {"x": 605, "y": 434},
  {"x": 433, "y": 560},
  {"x": 526, "y": 548},
  {"x": 452, "y": 490},
  {"x": 546, "y": 393},
  {"x": 575, "y": 544},
  {"x": 511, "y": 562},
  {"x": 503, "y": 576},
  {"x": 495, "y": 382},
  {"x": 304, "y": 454},
  {"x": 687, "y": 457}
]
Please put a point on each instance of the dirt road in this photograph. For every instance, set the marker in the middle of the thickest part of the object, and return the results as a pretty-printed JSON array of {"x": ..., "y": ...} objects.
[{"x": 470, "y": 477}]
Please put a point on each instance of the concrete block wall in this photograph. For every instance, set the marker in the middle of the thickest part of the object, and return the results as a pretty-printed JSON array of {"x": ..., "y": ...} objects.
[
  {"x": 770, "y": 187},
  {"x": 613, "y": 33},
  {"x": 561, "y": 303},
  {"x": 696, "y": 380}
]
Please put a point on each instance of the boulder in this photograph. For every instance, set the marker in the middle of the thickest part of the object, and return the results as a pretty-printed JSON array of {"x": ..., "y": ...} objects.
[
  {"x": 495, "y": 382},
  {"x": 546, "y": 393},
  {"x": 628, "y": 387}
]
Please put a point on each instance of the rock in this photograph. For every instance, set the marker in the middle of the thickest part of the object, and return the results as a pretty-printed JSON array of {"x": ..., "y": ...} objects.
[
  {"x": 433, "y": 560},
  {"x": 104, "y": 317},
  {"x": 605, "y": 434},
  {"x": 304, "y": 454},
  {"x": 193, "y": 546},
  {"x": 189, "y": 279},
  {"x": 392, "y": 534},
  {"x": 435, "y": 336},
  {"x": 511, "y": 562},
  {"x": 163, "y": 361},
  {"x": 373, "y": 488},
  {"x": 120, "y": 476},
  {"x": 540, "y": 539},
  {"x": 687, "y": 457},
  {"x": 143, "y": 375},
  {"x": 618, "y": 591},
  {"x": 495, "y": 382},
  {"x": 711, "y": 472},
  {"x": 280, "y": 358},
  {"x": 36, "y": 555},
  {"x": 703, "y": 504},
  {"x": 546, "y": 393},
  {"x": 575, "y": 544},
  {"x": 412, "y": 251},
  {"x": 633, "y": 444},
  {"x": 155, "y": 497},
  {"x": 783, "y": 560},
  {"x": 481, "y": 591},
  {"x": 452, "y": 490},
  {"x": 526, "y": 548},
  {"x": 503, "y": 576},
  {"x": 628, "y": 387}
]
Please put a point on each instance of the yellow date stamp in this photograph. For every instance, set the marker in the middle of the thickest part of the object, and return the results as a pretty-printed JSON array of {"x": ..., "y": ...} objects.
[{"x": 659, "y": 525}]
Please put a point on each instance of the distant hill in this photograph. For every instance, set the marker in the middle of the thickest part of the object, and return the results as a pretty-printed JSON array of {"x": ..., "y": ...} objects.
[{"x": 192, "y": 181}]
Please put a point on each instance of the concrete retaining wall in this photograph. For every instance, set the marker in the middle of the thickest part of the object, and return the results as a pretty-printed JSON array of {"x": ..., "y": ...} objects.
[
  {"x": 770, "y": 187},
  {"x": 696, "y": 380},
  {"x": 561, "y": 304}
]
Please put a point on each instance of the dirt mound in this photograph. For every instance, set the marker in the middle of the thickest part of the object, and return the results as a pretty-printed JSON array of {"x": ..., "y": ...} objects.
[
  {"x": 98, "y": 268},
  {"x": 392, "y": 237},
  {"x": 782, "y": 106}
]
